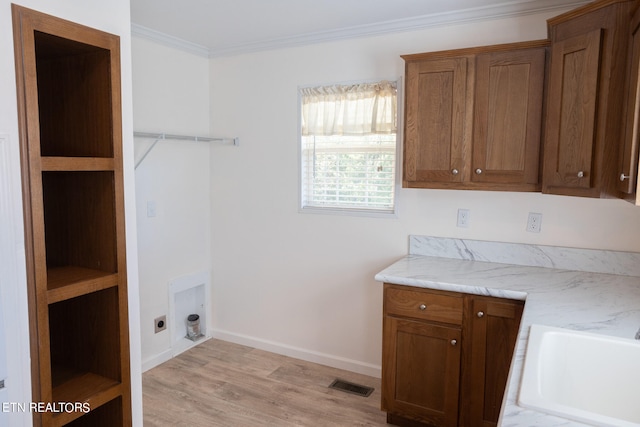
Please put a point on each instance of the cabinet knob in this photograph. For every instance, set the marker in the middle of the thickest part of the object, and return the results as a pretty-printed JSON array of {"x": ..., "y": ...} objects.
[
  {"x": 422, "y": 307},
  {"x": 580, "y": 174},
  {"x": 623, "y": 177},
  {"x": 480, "y": 314},
  {"x": 454, "y": 342},
  {"x": 455, "y": 171},
  {"x": 478, "y": 171}
]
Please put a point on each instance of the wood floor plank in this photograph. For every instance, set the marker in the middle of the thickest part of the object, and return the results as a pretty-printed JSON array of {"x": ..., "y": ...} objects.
[{"x": 218, "y": 383}]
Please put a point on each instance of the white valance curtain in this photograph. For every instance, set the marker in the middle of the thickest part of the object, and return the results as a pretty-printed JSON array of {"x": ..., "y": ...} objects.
[{"x": 360, "y": 109}]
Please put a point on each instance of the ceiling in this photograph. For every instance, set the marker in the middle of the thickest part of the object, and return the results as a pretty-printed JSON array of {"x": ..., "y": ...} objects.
[{"x": 220, "y": 27}]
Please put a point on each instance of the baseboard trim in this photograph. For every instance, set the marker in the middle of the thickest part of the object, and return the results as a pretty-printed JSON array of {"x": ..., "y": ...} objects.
[
  {"x": 156, "y": 360},
  {"x": 300, "y": 353}
]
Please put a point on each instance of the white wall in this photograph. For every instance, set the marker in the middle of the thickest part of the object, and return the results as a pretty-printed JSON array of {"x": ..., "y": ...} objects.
[
  {"x": 303, "y": 284},
  {"x": 170, "y": 95},
  {"x": 112, "y": 16}
]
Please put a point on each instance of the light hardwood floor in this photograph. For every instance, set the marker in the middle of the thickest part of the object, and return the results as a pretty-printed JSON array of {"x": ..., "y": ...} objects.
[{"x": 218, "y": 383}]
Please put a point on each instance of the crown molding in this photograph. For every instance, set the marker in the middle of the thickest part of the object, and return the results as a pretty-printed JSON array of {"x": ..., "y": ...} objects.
[
  {"x": 170, "y": 41},
  {"x": 511, "y": 9}
]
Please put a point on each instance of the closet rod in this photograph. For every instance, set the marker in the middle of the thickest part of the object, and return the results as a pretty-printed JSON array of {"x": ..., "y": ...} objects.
[
  {"x": 184, "y": 137},
  {"x": 165, "y": 136}
]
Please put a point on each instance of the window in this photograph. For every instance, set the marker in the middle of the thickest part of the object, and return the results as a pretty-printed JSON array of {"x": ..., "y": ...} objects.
[{"x": 348, "y": 147}]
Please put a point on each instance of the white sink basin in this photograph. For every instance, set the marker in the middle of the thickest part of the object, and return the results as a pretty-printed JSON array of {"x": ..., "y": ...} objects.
[{"x": 586, "y": 377}]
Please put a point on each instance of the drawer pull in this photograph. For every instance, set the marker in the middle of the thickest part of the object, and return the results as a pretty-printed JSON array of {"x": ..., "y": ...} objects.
[
  {"x": 480, "y": 314},
  {"x": 454, "y": 342},
  {"x": 422, "y": 307},
  {"x": 455, "y": 171},
  {"x": 580, "y": 174}
]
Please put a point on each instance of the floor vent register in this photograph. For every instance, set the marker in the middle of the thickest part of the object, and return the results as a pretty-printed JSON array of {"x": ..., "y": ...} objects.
[{"x": 350, "y": 387}]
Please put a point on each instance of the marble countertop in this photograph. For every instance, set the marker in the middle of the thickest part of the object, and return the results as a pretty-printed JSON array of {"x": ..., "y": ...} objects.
[{"x": 602, "y": 303}]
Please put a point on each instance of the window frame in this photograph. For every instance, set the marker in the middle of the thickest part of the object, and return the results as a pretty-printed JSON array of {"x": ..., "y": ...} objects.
[{"x": 397, "y": 182}]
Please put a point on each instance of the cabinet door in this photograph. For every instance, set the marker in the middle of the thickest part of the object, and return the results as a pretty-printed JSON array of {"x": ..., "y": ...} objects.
[
  {"x": 494, "y": 331},
  {"x": 629, "y": 154},
  {"x": 571, "y": 113},
  {"x": 508, "y": 117},
  {"x": 435, "y": 120},
  {"x": 421, "y": 371}
]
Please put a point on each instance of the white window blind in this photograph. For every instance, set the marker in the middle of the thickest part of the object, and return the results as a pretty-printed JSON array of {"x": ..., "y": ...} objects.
[{"x": 348, "y": 151}]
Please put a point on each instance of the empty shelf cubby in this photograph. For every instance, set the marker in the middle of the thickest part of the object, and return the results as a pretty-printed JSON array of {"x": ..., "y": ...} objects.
[
  {"x": 84, "y": 334},
  {"x": 80, "y": 231},
  {"x": 74, "y": 98}
]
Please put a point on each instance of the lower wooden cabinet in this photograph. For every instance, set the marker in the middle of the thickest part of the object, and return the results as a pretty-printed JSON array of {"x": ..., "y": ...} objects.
[
  {"x": 423, "y": 378},
  {"x": 494, "y": 332},
  {"x": 446, "y": 356}
]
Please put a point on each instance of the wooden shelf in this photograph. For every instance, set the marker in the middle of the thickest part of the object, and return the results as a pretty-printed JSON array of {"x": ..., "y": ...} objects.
[
  {"x": 69, "y": 282},
  {"x": 106, "y": 415},
  {"x": 87, "y": 387},
  {"x": 54, "y": 164}
]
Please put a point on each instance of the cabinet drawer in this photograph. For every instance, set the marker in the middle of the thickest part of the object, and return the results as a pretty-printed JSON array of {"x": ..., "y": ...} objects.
[{"x": 420, "y": 304}]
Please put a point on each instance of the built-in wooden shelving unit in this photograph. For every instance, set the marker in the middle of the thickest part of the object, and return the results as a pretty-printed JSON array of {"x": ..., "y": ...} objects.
[{"x": 68, "y": 79}]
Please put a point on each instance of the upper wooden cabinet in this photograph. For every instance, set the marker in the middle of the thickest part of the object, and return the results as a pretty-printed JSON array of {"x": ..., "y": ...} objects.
[
  {"x": 586, "y": 99},
  {"x": 435, "y": 144},
  {"x": 474, "y": 117},
  {"x": 628, "y": 166}
]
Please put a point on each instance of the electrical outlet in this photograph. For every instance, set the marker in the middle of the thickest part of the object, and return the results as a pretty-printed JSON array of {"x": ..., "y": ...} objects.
[
  {"x": 160, "y": 323},
  {"x": 463, "y": 218},
  {"x": 534, "y": 223}
]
